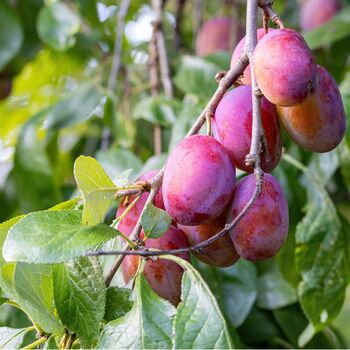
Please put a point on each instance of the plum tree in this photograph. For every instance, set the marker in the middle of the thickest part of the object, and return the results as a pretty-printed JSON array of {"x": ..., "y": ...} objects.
[
  {"x": 127, "y": 224},
  {"x": 220, "y": 253},
  {"x": 232, "y": 126},
  {"x": 314, "y": 13},
  {"x": 318, "y": 123},
  {"x": 198, "y": 181},
  {"x": 215, "y": 35},
  {"x": 237, "y": 52},
  {"x": 163, "y": 276},
  {"x": 262, "y": 231},
  {"x": 284, "y": 68}
]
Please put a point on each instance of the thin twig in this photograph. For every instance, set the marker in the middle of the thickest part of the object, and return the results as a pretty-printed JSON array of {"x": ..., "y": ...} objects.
[
  {"x": 116, "y": 61},
  {"x": 254, "y": 158},
  {"x": 180, "y": 5},
  {"x": 147, "y": 252},
  {"x": 266, "y": 5},
  {"x": 162, "y": 51}
]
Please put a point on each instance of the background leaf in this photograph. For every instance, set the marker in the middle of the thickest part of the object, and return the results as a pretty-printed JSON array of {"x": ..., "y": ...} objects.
[
  {"x": 320, "y": 257},
  {"x": 11, "y": 34},
  {"x": 57, "y": 25}
]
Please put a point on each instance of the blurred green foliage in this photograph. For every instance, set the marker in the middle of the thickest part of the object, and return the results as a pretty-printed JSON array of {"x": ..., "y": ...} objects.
[{"x": 55, "y": 60}]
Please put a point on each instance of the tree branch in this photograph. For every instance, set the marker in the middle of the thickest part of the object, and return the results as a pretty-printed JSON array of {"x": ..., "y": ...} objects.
[
  {"x": 226, "y": 81},
  {"x": 178, "y": 19},
  {"x": 116, "y": 61},
  {"x": 162, "y": 51}
]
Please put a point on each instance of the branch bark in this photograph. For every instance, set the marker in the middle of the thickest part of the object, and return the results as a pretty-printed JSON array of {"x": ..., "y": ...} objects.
[
  {"x": 116, "y": 61},
  {"x": 253, "y": 158}
]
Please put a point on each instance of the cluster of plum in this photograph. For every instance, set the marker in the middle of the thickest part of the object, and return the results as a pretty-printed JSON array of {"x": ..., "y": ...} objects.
[{"x": 199, "y": 189}]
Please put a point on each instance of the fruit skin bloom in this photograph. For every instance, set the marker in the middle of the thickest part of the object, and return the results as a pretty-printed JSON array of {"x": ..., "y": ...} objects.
[
  {"x": 284, "y": 68},
  {"x": 262, "y": 231},
  {"x": 198, "y": 181},
  {"x": 232, "y": 126},
  {"x": 318, "y": 123}
]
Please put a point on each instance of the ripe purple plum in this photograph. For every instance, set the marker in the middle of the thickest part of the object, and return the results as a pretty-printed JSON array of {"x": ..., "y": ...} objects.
[
  {"x": 247, "y": 79},
  {"x": 198, "y": 181},
  {"x": 163, "y": 276},
  {"x": 262, "y": 231},
  {"x": 220, "y": 253},
  {"x": 215, "y": 35},
  {"x": 314, "y": 13},
  {"x": 233, "y": 128},
  {"x": 127, "y": 224},
  {"x": 318, "y": 123},
  {"x": 284, "y": 68}
]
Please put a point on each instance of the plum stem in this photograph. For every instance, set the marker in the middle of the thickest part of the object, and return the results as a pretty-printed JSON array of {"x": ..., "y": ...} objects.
[{"x": 224, "y": 83}]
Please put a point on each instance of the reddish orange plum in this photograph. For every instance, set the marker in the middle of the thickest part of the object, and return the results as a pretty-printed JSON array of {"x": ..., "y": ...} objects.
[
  {"x": 247, "y": 79},
  {"x": 315, "y": 13},
  {"x": 317, "y": 124},
  {"x": 198, "y": 181},
  {"x": 220, "y": 253},
  {"x": 284, "y": 68},
  {"x": 262, "y": 231},
  {"x": 163, "y": 276},
  {"x": 233, "y": 128},
  {"x": 127, "y": 224},
  {"x": 215, "y": 35}
]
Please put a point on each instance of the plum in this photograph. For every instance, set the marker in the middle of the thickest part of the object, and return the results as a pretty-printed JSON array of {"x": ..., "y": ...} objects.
[
  {"x": 314, "y": 13},
  {"x": 163, "y": 276},
  {"x": 215, "y": 35},
  {"x": 262, "y": 231},
  {"x": 127, "y": 224},
  {"x": 198, "y": 181},
  {"x": 220, "y": 253},
  {"x": 318, "y": 123},
  {"x": 233, "y": 128},
  {"x": 284, "y": 68},
  {"x": 247, "y": 80}
]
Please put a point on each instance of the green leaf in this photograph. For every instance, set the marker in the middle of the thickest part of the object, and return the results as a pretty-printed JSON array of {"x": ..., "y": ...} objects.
[
  {"x": 48, "y": 237},
  {"x": 4, "y": 229},
  {"x": 11, "y": 34},
  {"x": 57, "y": 25},
  {"x": 156, "y": 110},
  {"x": 69, "y": 204},
  {"x": 235, "y": 288},
  {"x": 116, "y": 160},
  {"x": 274, "y": 292},
  {"x": 33, "y": 172},
  {"x": 196, "y": 76},
  {"x": 96, "y": 187},
  {"x": 11, "y": 338},
  {"x": 320, "y": 256},
  {"x": 31, "y": 287},
  {"x": 118, "y": 303},
  {"x": 74, "y": 109},
  {"x": 198, "y": 323},
  {"x": 155, "y": 221},
  {"x": 146, "y": 326},
  {"x": 334, "y": 30},
  {"x": 80, "y": 296}
]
